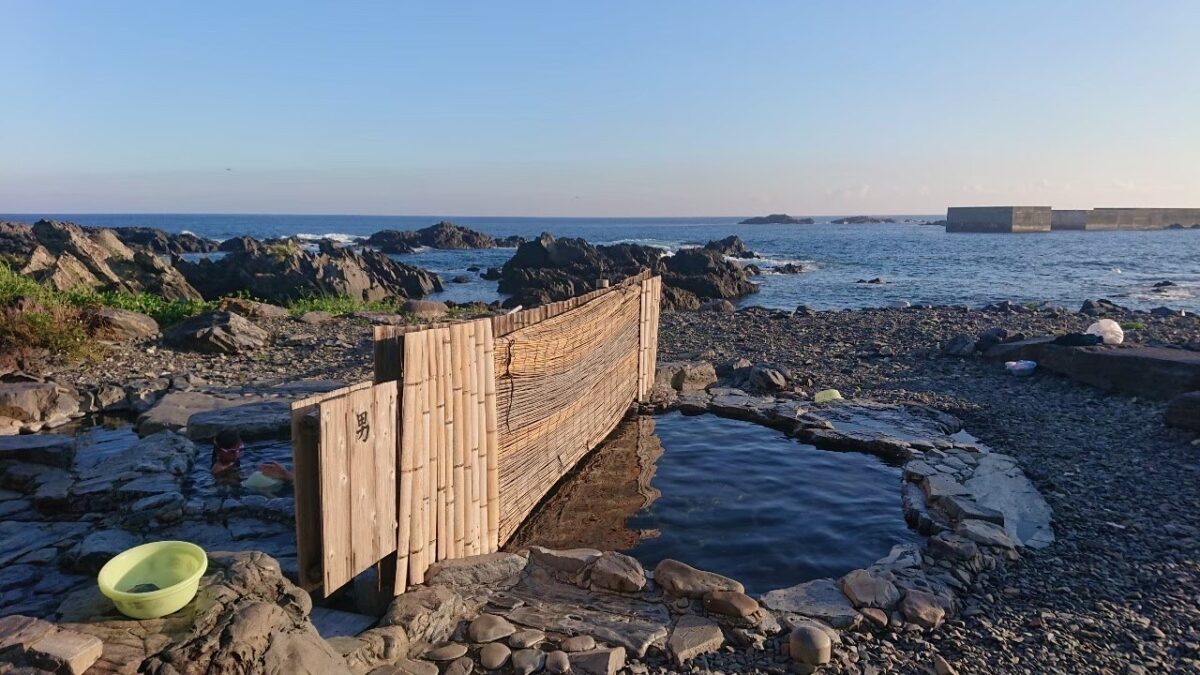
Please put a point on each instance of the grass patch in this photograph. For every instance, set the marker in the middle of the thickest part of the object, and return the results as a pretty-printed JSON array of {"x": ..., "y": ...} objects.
[
  {"x": 338, "y": 305},
  {"x": 165, "y": 312},
  {"x": 1133, "y": 325}
]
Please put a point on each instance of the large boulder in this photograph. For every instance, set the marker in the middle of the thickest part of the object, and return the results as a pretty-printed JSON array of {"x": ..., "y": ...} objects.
[
  {"x": 547, "y": 269},
  {"x": 246, "y": 617},
  {"x": 283, "y": 271},
  {"x": 707, "y": 274},
  {"x": 72, "y": 258},
  {"x": 93, "y": 251},
  {"x": 123, "y": 325},
  {"x": 1184, "y": 411},
  {"x": 32, "y": 406},
  {"x": 217, "y": 333}
]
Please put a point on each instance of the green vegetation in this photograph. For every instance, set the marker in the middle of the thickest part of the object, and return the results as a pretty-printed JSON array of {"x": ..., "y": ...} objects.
[
  {"x": 338, "y": 305},
  {"x": 1133, "y": 325},
  {"x": 165, "y": 312},
  {"x": 34, "y": 317}
]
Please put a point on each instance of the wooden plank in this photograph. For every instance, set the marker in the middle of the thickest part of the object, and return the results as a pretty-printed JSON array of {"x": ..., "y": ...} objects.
[
  {"x": 360, "y": 451},
  {"x": 306, "y": 470},
  {"x": 335, "y": 494}
]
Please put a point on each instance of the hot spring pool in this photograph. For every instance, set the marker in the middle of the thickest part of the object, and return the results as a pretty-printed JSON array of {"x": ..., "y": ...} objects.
[
  {"x": 727, "y": 496},
  {"x": 98, "y": 442}
]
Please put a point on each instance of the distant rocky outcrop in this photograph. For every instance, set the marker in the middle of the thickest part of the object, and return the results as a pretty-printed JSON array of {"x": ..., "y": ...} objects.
[
  {"x": 161, "y": 241},
  {"x": 443, "y": 235},
  {"x": 548, "y": 269},
  {"x": 862, "y": 220},
  {"x": 731, "y": 246},
  {"x": 283, "y": 271},
  {"x": 777, "y": 219},
  {"x": 68, "y": 257}
]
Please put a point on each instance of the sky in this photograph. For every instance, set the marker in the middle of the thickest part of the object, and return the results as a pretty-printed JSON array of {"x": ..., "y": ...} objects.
[{"x": 664, "y": 108}]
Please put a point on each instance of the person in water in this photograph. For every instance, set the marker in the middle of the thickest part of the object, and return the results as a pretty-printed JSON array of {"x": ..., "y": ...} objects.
[
  {"x": 227, "y": 453},
  {"x": 227, "y": 459}
]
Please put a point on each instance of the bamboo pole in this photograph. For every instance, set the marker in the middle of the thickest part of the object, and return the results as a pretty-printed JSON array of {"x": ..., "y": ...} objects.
[
  {"x": 404, "y": 515},
  {"x": 491, "y": 435},
  {"x": 431, "y": 447},
  {"x": 448, "y": 431},
  {"x": 457, "y": 342},
  {"x": 439, "y": 431},
  {"x": 470, "y": 453},
  {"x": 419, "y": 538}
]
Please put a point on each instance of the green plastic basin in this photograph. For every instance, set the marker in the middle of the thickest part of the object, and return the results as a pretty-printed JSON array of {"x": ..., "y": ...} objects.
[{"x": 155, "y": 579}]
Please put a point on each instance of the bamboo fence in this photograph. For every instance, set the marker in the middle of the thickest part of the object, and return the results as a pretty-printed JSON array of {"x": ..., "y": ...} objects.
[{"x": 471, "y": 424}]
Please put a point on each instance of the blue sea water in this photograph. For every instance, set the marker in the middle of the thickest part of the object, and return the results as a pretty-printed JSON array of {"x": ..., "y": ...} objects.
[{"x": 921, "y": 263}]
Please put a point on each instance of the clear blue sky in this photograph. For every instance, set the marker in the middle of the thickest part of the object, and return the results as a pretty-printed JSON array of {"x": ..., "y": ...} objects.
[{"x": 602, "y": 108}]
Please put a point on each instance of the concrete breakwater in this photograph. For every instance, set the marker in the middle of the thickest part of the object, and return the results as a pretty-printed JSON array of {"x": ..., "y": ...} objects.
[{"x": 1009, "y": 219}]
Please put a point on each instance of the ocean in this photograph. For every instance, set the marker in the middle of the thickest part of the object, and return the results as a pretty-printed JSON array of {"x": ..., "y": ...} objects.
[{"x": 919, "y": 263}]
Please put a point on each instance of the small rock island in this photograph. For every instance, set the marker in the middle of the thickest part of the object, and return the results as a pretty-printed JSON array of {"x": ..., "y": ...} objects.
[
  {"x": 777, "y": 219},
  {"x": 862, "y": 220}
]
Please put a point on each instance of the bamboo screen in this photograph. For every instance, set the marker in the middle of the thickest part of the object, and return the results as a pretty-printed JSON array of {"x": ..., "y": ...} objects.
[{"x": 491, "y": 414}]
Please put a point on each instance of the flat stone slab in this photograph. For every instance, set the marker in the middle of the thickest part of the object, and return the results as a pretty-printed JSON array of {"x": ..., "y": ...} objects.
[
  {"x": 262, "y": 419},
  {"x": 1135, "y": 370},
  {"x": 553, "y": 606},
  {"x": 18, "y": 538},
  {"x": 820, "y": 599},
  {"x": 173, "y": 410},
  {"x": 48, "y": 449},
  {"x": 1000, "y": 484}
]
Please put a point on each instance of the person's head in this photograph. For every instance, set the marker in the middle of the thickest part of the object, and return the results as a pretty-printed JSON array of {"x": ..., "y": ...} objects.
[{"x": 227, "y": 439}]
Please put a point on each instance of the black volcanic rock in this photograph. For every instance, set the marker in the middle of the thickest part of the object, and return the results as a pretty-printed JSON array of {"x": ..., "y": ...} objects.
[
  {"x": 16, "y": 240},
  {"x": 239, "y": 244},
  {"x": 282, "y": 271},
  {"x": 443, "y": 235},
  {"x": 707, "y": 274},
  {"x": 777, "y": 219},
  {"x": 161, "y": 241},
  {"x": 548, "y": 269},
  {"x": 862, "y": 220},
  {"x": 731, "y": 246}
]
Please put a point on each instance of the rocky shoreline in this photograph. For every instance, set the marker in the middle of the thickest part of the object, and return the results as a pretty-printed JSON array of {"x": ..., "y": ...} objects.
[{"x": 1122, "y": 487}]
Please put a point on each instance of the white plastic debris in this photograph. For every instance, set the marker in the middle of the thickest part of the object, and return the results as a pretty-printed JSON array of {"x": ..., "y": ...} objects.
[
  {"x": 827, "y": 395},
  {"x": 1108, "y": 330}
]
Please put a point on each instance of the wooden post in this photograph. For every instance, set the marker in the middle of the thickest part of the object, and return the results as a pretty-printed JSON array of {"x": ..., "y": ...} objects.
[{"x": 306, "y": 466}]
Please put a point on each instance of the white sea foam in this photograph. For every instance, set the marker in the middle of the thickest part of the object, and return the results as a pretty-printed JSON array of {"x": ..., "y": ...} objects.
[{"x": 339, "y": 237}]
